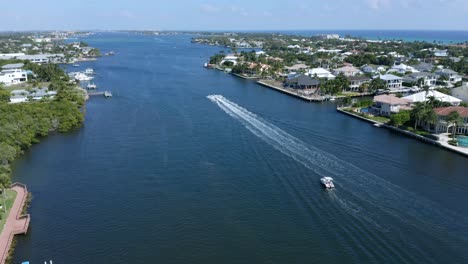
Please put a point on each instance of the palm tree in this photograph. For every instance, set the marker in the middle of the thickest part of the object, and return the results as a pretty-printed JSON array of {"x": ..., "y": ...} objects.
[
  {"x": 455, "y": 119},
  {"x": 429, "y": 117},
  {"x": 417, "y": 114}
]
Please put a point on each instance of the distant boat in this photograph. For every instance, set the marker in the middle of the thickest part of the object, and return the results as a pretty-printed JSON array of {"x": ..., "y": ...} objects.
[
  {"x": 76, "y": 65},
  {"x": 327, "y": 182},
  {"x": 107, "y": 94},
  {"x": 110, "y": 53},
  {"x": 91, "y": 86},
  {"x": 332, "y": 98},
  {"x": 89, "y": 71}
]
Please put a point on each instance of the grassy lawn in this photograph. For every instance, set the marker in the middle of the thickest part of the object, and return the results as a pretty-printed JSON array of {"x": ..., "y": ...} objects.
[
  {"x": 10, "y": 198},
  {"x": 380, "y": 119}
]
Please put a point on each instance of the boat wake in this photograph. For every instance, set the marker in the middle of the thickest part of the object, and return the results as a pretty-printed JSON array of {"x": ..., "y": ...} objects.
[{"x": 367, "y": 195}]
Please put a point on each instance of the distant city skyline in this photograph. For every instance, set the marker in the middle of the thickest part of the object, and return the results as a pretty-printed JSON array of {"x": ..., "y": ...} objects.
[{"x": 235, "y": 15}]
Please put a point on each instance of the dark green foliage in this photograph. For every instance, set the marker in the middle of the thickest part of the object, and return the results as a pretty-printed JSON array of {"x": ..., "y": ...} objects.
[{"x": 400, "y": 118}]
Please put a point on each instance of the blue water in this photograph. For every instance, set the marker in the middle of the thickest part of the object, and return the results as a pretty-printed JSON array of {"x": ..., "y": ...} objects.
[
  {"x": 165, "y": 173},
  {"x": 463, "y": 141}
]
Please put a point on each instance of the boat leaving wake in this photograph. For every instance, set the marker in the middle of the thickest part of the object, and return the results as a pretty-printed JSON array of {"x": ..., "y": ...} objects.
[{"x": 372, "y": 193}]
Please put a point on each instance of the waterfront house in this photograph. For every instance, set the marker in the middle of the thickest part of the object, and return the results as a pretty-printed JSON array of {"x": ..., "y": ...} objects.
[
  {"x": 356, "y": 81},
  {"x": 442, "y": 126},
  {"x": 347, "y": 71},
  {"x": 320, "y": 73},
  {"x": 386, "y": 105},
  {"x": 451, "y": 75},
  {"x": 302, "y": 81},
  {"x": 231, "y": 58},
  {"x": 428, "y": 79},
  {"x": 392, "y": 82},
  {"x": 21, "y": 96},
  {"x": 425, "y": 96}
]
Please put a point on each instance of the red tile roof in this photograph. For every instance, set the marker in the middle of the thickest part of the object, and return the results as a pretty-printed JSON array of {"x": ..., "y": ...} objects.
[{"x": 444, "y": 111}]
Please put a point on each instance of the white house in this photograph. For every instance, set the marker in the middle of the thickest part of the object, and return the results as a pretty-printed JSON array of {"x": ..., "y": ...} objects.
[
  {"x": 320, "y": 73},
  {"x": 13, "y": 74},
  {"x": 355, "y": 82},
  {"x": 21, "y": 96},
  {"x": 428, "y": 78},
  {"x": 452, "y": 76},
  {"x": 230, "y": 57},
  {"x": 347, "y": 71},
  {"x": 373, "y": 69},
  {"x": 402, "y": 69},
  {"x": 386, "y": 105},
  {"x": 391, "y": 81},
  {"x": 440, "y": 53},
  {"x": 423, "y": 97}
]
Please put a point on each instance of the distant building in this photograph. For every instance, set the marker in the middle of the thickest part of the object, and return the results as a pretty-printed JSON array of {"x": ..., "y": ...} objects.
[
  {"x": 451, "y": 75},
  {"x": 402, "y": 69},
  {"x": 13, "y": 74},
  {"x": 429, "y": 79},
  {"x": 392, "y": 82},
  {"x": 441, "y": 53},
  {"x": 424, "y": 67},
  {"x": 386, "y": 105},
  {"x": 21, "y": 96},
  {"x": 297, "y": 67},
  {"x": 320, "y": 73},
  {"x": 373, "y": 69},
  {"x": 347, "y": 71}
]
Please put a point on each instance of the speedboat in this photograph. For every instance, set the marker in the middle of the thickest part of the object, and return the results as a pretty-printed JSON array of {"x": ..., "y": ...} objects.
[
  {"x": 76, "y": 65},
  {"x": 82, "y": 77},
  {"x": 327, "y": 182}
]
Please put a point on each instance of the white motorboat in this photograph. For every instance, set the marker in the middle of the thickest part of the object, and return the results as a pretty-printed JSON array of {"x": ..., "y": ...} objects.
[
  {"x": 76, "y": 65},
  {"x": 327, "y": 182},
  {"x": 91, "y": 86},
  {"x": 82, "y": 77},
  {"x": 89, "y": 71}
]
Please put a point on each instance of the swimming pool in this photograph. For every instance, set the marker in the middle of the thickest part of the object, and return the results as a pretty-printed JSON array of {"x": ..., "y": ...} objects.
[{"x": 462, "y": 141}]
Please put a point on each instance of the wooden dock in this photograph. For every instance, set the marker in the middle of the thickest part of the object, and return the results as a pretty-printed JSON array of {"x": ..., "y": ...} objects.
[{"x": 16, "y": 223}]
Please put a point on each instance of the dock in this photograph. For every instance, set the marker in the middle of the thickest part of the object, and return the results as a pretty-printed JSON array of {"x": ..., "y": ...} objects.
[
  {"x": 16, "y": 223},
  {"x": 105, "y": 94},
  {"x": 288, "y": 92}
]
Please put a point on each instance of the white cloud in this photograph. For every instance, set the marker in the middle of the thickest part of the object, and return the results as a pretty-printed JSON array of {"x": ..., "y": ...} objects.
[{"x": 239, "y": 10}]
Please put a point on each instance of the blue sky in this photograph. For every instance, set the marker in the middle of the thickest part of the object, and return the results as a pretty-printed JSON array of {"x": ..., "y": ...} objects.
[{"x": 234, "y": 14}]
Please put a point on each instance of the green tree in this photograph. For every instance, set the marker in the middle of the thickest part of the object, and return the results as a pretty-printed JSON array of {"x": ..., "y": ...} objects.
[
  {"x": 400, "y": 118},
  {"x": 454, "y": 119},
  {"x": 4, "y": 96},
  {"x": 417, "y": 114},
  {"x": 377, "y": 84}
]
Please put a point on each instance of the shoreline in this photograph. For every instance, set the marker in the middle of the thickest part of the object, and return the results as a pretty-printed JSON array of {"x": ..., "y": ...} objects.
[{"x": 408, "y": 133}]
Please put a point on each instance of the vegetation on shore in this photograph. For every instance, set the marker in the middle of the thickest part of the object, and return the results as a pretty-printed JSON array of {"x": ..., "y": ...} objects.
[{"x": 23, "y": 124}]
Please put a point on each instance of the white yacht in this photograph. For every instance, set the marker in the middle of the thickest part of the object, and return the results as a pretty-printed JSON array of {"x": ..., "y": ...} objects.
[
  {"x": 327, "y": 182},
  {"x": 82, "y": 77},
  {"x": 89, "y": 71}
]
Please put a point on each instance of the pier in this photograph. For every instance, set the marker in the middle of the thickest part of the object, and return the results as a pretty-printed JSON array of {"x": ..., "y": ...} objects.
[
  {"x": 105, "y": 94},
  {"x": 286, "y": 91},
  {"x": 16, "y": 223}
]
